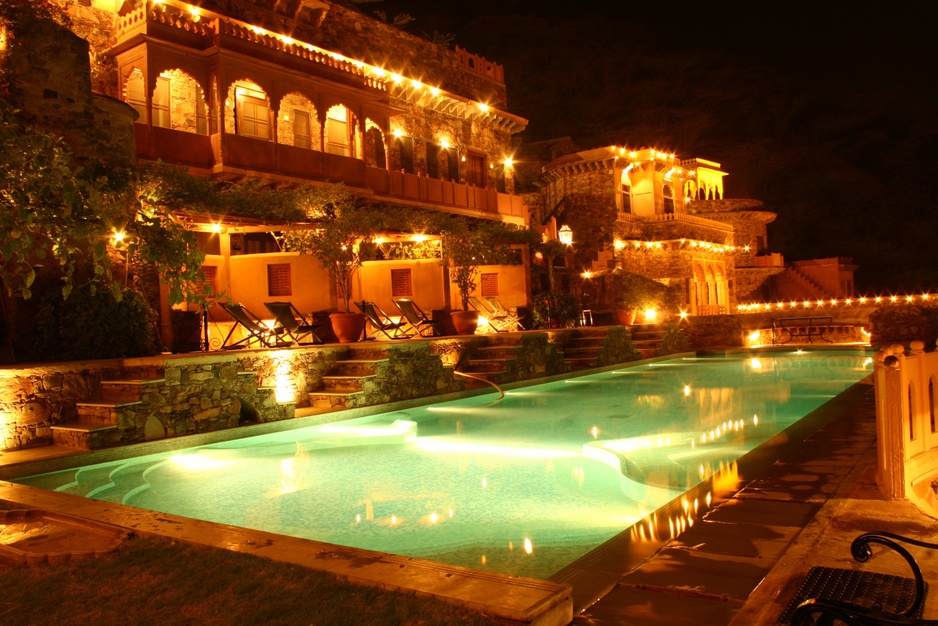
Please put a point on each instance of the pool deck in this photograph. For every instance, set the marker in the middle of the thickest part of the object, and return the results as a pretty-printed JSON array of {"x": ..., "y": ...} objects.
[{"x": 740, "y": 564}]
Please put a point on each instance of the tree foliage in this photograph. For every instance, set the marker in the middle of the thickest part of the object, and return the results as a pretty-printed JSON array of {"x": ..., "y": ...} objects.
[{"x": 341, "y": 235}]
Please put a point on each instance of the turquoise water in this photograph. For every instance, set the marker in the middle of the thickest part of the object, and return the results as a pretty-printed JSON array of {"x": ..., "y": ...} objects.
[{"x": 522, "y": 485}]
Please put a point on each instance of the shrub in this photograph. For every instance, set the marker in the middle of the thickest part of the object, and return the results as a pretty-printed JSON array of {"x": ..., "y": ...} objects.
[
  {"x": 88, "y": 326},
  {"x": 556, "y": 309}
]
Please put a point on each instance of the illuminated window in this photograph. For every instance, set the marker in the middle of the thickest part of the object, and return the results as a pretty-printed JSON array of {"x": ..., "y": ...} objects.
[
  {"x": 278, "y": 280},
  {"x": 252, "y": 114},
  {"x": 339, "y": 132},
  {"x": 161, "y": 102},
  {"x": 201, "y": 112},
  {"x": 625, "y": 191},
  {"x": 488, "y": 284},
  {"x": 136, "y": 95},
  {"x": 668, "y": 193},
  {"x": 401, "y": 284},
  {"x": 301, "y": 132}
]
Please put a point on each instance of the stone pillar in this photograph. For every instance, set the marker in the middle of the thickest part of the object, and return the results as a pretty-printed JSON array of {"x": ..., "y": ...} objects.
[{"x": 890, "y": 441}]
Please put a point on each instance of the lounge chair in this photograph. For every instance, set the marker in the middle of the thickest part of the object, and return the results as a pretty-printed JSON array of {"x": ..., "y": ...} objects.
[
  {"x": 256, "y": 330},
  {"x": 852, "y": 596},
  {"x": 418, "y": 320},
  {"x": 494, "y": 321},
  {"x": 382, "y": 323},
  {"x": 286, "y": 315},
  {"x": 513, "y": 320}
]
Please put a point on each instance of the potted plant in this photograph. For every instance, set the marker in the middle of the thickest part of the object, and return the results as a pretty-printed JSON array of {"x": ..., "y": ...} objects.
[
  {"x": 464, "y": 248},
  {"x": 341, "y": 237},
  {"x": 634, "y": 294}
]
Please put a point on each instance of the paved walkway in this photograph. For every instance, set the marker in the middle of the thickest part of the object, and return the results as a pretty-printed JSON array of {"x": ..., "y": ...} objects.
[{"x": 746, "y": 559}]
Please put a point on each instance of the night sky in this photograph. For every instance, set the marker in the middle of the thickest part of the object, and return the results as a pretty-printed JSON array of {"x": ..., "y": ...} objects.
[{"x": 826, "y": 111}]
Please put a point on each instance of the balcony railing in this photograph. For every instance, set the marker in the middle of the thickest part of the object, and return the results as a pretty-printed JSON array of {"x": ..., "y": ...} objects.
[
  {"x": 245, "y": 154},
  {"x": 676, "y": 217}
]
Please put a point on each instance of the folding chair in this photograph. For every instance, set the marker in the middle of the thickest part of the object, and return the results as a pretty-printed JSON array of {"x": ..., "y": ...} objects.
[
  {"x": 256, "y": 330},
  {"x": 514, "y": 322},
  {"x": 286, "y": 316},
  {"x": 491, "y": 316},
  {"x": 417, "y": 319},
  {"x": 382, "y": 323}
]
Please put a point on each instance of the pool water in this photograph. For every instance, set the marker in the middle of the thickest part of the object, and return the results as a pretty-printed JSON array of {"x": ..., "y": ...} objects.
[{"x": 523, "y": 485}]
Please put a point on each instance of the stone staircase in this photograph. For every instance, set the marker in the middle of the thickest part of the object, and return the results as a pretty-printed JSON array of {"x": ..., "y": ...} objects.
[
  {"x": 646, "y": 338},
  {"x": 112, "y": 408},
  {"x": 351, "y": 381},
  {"x": 583, "y": 352},
  {"x": 494, "y": 363}
]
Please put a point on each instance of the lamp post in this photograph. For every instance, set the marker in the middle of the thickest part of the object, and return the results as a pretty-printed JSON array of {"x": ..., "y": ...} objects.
[{"x": 565, "y": 235}]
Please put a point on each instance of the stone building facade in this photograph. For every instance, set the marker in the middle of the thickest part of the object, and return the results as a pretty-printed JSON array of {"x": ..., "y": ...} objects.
[{"x": 664, "y": 217}]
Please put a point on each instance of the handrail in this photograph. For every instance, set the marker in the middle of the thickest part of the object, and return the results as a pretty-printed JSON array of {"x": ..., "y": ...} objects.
[{"x": 484, "y": 380}]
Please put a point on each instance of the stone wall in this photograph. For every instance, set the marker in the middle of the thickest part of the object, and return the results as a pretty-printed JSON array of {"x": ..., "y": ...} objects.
[
  {"x": 711, "y": 331},
  {"x": 903, "y": 324}
]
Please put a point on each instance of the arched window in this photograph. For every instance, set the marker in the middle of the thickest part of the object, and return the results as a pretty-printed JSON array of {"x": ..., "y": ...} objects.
[
  {"x": 931, "y": 402},
  {"x": 135, "y": 94},
  {"x": 179, "y": 103},
  {"x": 375, "y": 153},
  {"x": 298, "y": 123},
  {"x": 247, "y": 112},
  {"x": 625, "y": 192},
  {"x": 340, "y": 131},
  {"x": 667, "y": 193},
  {"x": 911, "y": 408}
]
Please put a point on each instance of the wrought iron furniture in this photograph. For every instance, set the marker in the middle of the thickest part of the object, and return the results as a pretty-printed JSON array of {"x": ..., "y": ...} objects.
[
  {"x": 514, "y": 322},
  {"x": 861, "y": 598},
  {"x": 418, "y": 320},
  {"x": 382, "y": 322},
  {"x": 496, "y": 322},
  {"x": 286, "y": 316},
  {"x": 801, "y": 327},
  {"x": 256, "y": 330}
]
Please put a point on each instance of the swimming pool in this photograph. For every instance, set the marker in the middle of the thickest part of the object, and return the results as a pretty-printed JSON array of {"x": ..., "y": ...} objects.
[{"x": 523, "y": 485}]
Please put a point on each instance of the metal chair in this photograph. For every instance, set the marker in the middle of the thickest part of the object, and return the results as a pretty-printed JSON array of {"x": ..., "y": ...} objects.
[
  {"x": 415, "y": 316},
  {"x": 382, "y": 323},
  {"x": 286, "y": 315},
  {"x": 494, "y": 321},
  {"x": 512, "y": 320},
  {"x": 255, "y": 328}
]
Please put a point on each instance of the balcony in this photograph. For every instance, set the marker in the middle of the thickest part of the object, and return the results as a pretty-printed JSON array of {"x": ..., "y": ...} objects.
[{"x": 226, "y": 153}]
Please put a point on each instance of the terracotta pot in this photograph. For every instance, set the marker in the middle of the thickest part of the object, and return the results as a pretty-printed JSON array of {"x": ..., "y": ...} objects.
[
  {"x": 348, "y": 327},
  {"x": 465, "y": 322},
  {"x": 624, "y": 317}
]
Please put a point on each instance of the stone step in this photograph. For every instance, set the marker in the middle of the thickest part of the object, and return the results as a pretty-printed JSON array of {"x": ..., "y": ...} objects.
[
  {"x": 357, "y": 367},
  {"x": 102, "y": 413},
  {"x": 507, "y": 351},
  {"x": 577, "y": 352},
  {"x": 581, "y": 363},
  {"x": 346, "y": 384},
  {"x": 488, "y": 365},
  {"x": 129, "y": 390},
  {"x": 85, "y": 435},
  {"x": 583, "y": 342},
  {"x": 336, "y": 400}
]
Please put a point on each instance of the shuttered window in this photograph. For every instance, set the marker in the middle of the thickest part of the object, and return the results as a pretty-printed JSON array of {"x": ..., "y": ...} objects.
[
  {"x": 278, "y": 280},
  {"x": 401, "y": 284}
]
